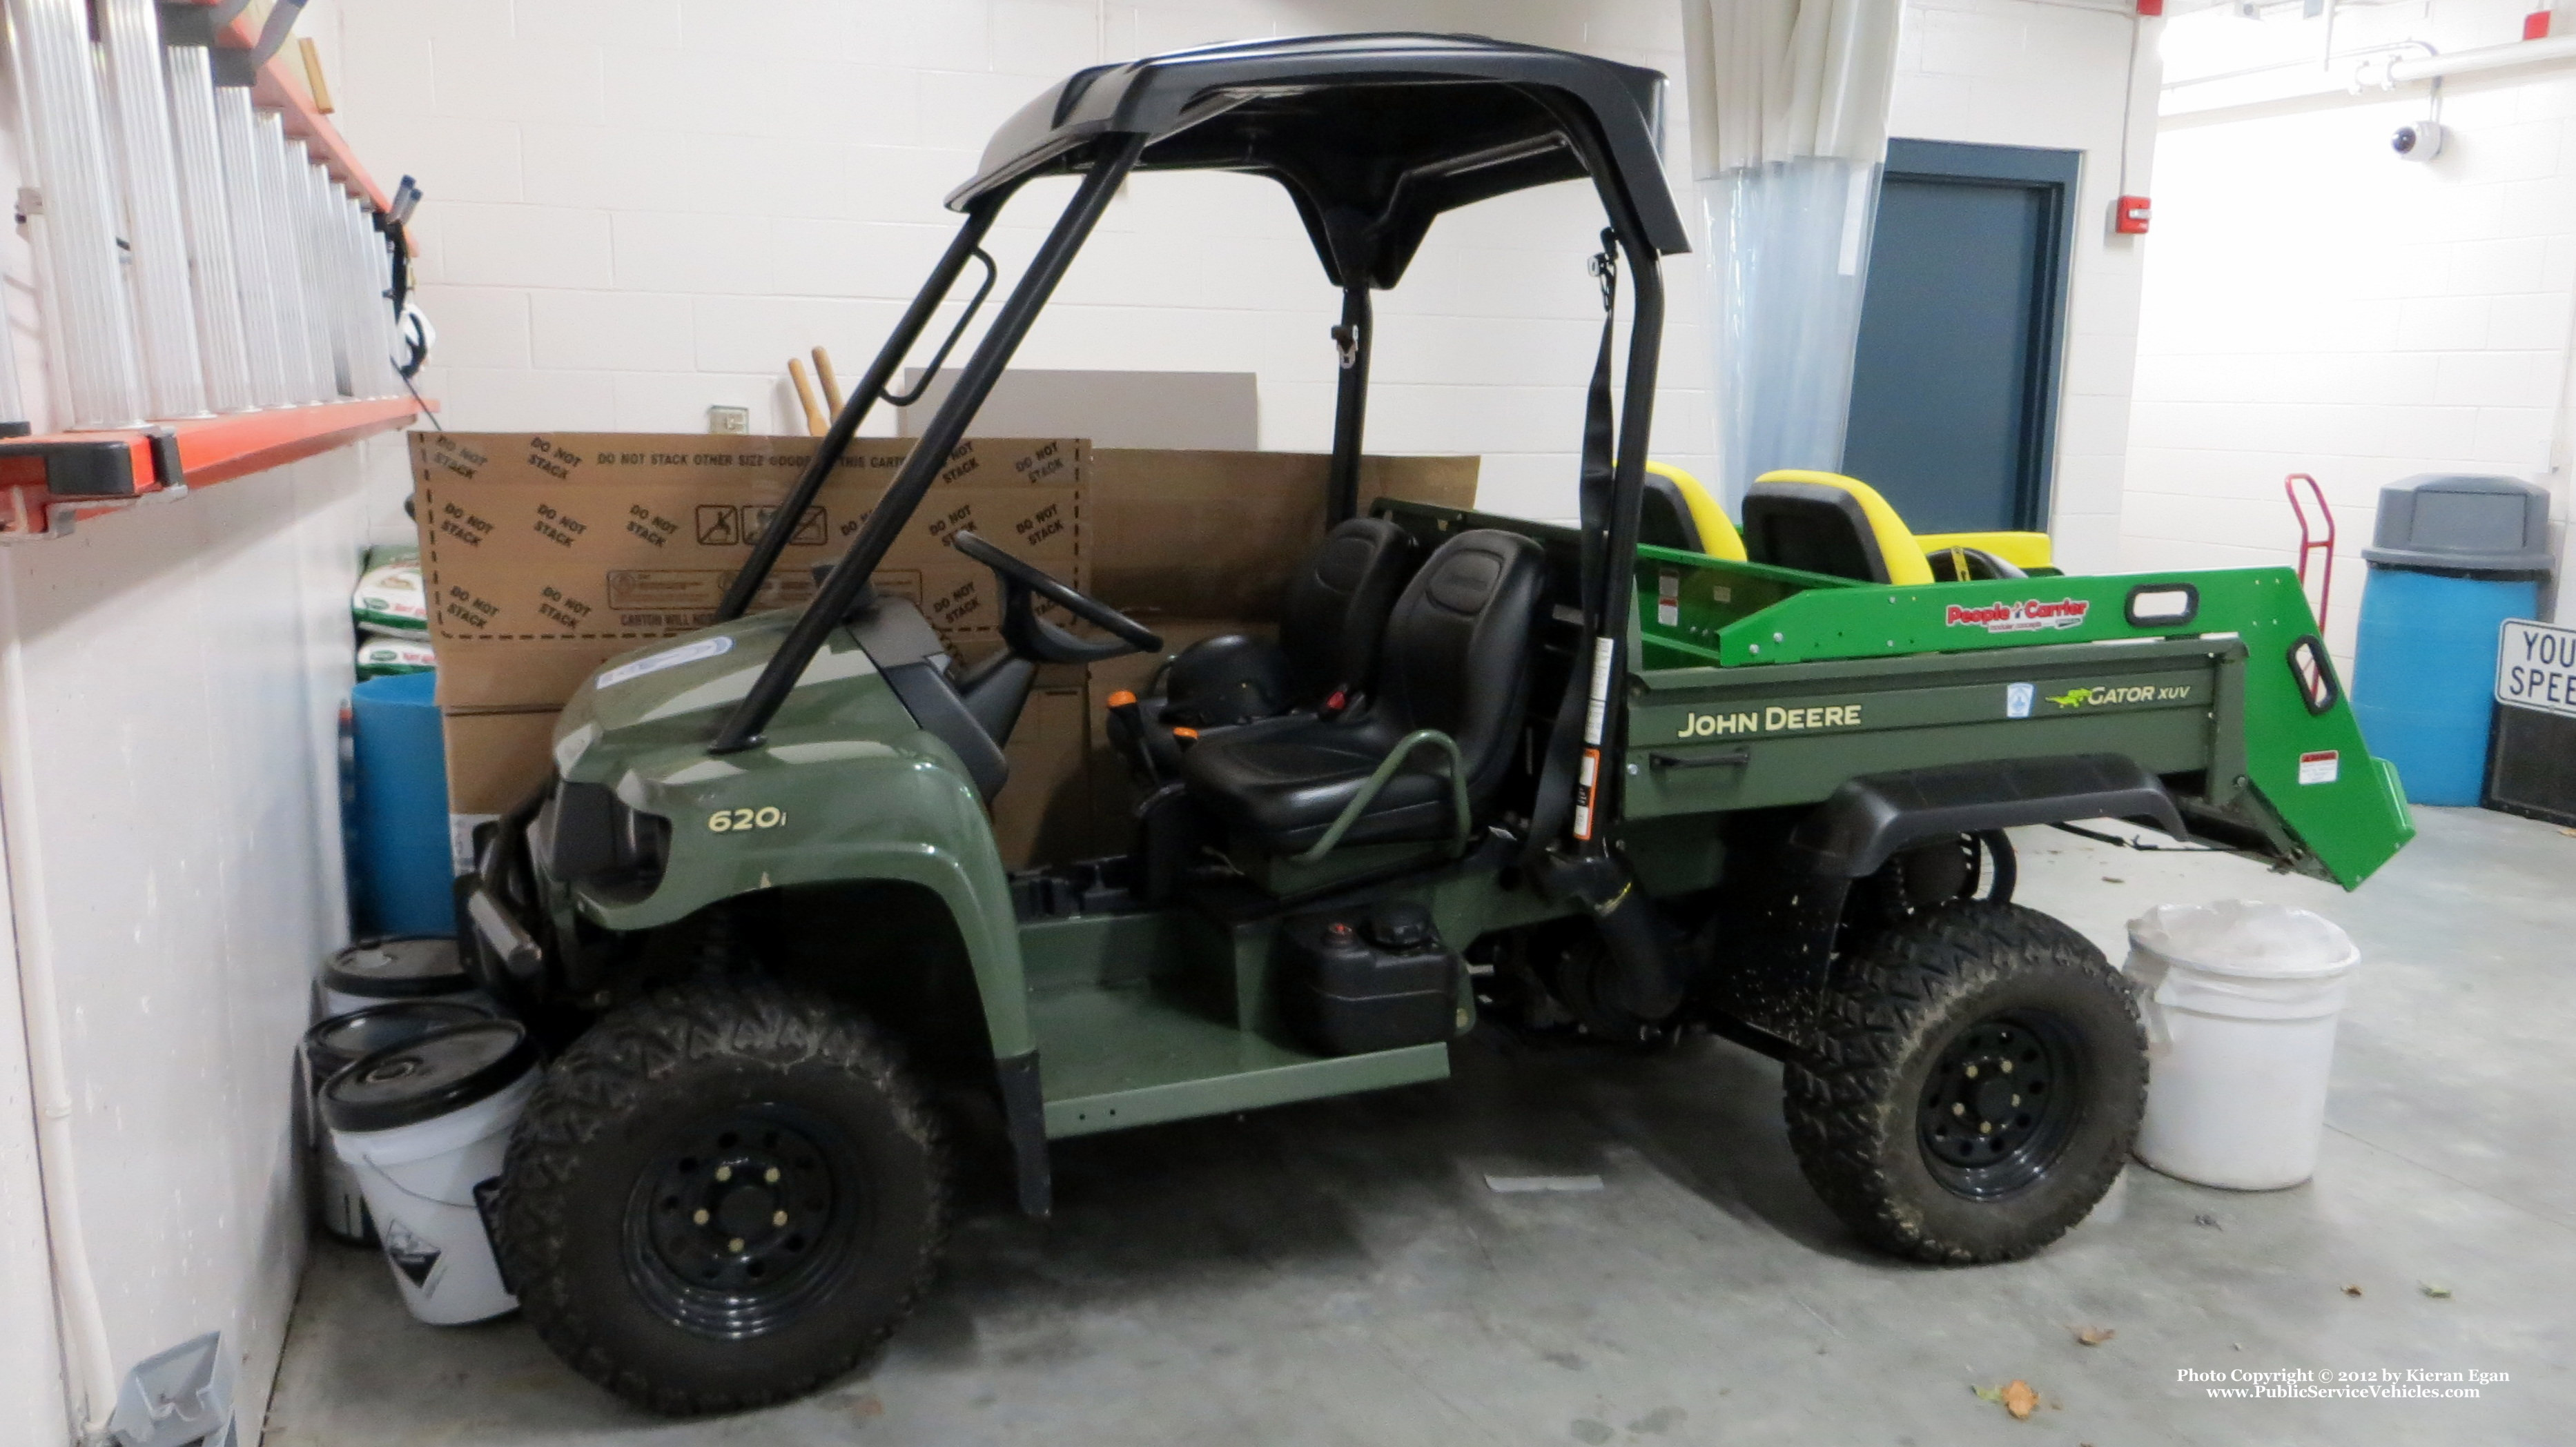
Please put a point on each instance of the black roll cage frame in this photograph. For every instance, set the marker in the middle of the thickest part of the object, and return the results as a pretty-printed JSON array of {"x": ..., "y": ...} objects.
[{"x": 1599, "y": 661}]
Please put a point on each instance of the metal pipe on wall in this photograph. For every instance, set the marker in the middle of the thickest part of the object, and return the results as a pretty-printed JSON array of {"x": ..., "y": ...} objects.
[
  {"x": 165, "y": 314},
  {"x": 2550, "y": 51},
  {"x": 222, "y": 337},
  {"x": 90, "y": 330}
]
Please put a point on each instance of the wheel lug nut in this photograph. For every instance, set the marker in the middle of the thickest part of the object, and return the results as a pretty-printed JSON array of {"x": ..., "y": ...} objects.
[
  {"x": 777, "y": 1218},
  {"x": 700, "y": 1218},
  {"x": 1972, "y": 1074},
  {"x": 724, "y": 1173},
  {"x": 770, "y": 1175},
  {"x": 1984, "y": 1127},
  {"x": 2007, "y": 1067},
  {"x": 2016, "y": 1100},
  {"x": 1958, "y": 1109},
  {"x": 734, "y": 1245}
]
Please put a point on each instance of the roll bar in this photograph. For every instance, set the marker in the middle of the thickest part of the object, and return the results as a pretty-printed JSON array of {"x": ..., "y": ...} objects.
[
  {"x": 1610, "y": 522},
  {"x": 845, "y": 587}
]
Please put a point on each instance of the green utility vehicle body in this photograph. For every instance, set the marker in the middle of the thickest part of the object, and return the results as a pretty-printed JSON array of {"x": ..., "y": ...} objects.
[
  {"x": 1758, "y": 689},
  {"x": 1590, "y": 790}
]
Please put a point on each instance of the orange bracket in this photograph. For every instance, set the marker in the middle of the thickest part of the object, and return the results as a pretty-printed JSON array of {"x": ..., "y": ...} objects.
[{"x": 54, "y": 480}]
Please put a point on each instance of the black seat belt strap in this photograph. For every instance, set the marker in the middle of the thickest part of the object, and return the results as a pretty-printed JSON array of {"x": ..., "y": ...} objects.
[{"x": 1557, "y": 785}]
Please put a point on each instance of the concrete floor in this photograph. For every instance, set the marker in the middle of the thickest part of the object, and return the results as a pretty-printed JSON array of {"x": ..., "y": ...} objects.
[{"x": 1340, "y": 1273}]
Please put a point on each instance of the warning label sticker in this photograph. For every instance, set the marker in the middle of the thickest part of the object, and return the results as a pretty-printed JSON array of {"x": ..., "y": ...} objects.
[{"x": 2323, "y": 767}]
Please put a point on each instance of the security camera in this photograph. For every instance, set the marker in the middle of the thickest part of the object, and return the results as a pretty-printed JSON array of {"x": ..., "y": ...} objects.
[{"x": 2421, "y": 141}]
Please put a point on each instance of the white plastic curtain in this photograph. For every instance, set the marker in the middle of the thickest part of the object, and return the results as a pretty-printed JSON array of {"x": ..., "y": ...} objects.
[{"x": 1788, "y": 133}]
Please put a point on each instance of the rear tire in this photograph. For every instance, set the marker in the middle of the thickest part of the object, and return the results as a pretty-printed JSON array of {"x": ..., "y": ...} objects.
[
  {"x": 1918, "y": 1121},
  {"x": 722, "y": 1197}
]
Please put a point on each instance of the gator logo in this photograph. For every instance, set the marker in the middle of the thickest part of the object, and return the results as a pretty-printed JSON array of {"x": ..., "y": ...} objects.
[
  {"x": 2031, "y": 615},
  {"x": 2122, "y": 693}
]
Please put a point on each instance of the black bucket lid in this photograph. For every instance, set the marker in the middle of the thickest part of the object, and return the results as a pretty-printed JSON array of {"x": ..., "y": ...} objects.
[
  {"x": 344, "y": 1039},
  {"x": 398, "y": 967},
  {"x": 446, "y": 1070}
]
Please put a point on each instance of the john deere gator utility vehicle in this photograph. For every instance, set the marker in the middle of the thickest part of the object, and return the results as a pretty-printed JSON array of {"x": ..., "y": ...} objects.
[{"x": 1613, "y": 781}]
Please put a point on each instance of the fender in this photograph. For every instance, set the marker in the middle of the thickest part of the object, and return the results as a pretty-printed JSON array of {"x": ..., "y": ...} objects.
[
  {"x": 1781, "y": 918},
  {"x": 1877, "y": 815}
]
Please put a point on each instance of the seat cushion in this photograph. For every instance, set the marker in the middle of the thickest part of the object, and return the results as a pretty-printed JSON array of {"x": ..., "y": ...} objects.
[{"x": 1282, "y": 784}]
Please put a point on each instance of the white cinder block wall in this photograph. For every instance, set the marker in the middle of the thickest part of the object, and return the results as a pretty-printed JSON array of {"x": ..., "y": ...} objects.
[
  {"x": 639, "y": 209},
  {"x": 2315, "y": 304},
  {"x": 170, "y": 678},
  {"x": 643, "y": 208}
]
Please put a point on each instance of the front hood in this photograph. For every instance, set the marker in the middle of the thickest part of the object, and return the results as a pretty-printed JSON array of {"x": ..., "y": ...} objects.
[{"x": 677, "y": 691}]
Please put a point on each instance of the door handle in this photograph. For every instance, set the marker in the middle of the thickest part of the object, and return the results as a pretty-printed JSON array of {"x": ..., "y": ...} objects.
[{"x": 1740, "y": 754}]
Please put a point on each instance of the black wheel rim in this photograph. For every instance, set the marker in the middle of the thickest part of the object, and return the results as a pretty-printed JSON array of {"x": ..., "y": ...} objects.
[
  {"x": 2001, "y": 1103},
  {"x": 744, "y": 1221}
]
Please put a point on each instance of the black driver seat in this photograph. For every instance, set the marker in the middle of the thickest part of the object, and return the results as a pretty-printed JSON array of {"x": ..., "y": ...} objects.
[
  {"x": 1455, "y": 658},
  {"x": 1330, "y": 624}
]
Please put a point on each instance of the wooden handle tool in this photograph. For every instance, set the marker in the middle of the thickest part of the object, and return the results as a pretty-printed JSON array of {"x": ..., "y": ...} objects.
[
  {"x": 814, "y": 422},
  {"x": 831, "y": 383}
]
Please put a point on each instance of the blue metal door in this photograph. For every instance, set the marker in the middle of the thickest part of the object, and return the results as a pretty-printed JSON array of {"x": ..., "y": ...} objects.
[{"x": 1954, "y": 389}]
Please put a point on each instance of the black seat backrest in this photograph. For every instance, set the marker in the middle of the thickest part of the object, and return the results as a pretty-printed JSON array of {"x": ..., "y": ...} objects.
[
  {"x": 1813, "y": 528},
  {"x": 1458, "y": 646},
  {"x": 1337, "y": 603},
  {"x": 1664, "y": 516}
]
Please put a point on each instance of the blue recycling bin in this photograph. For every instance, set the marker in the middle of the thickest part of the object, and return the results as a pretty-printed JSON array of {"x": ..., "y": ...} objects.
[
  {"x": 2452, "y": 558},
  {"x": 2424, "y": 675},
  {"x": 405, "y": 874}
]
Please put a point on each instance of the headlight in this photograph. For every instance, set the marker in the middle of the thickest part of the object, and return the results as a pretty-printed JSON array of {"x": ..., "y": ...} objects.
[{"x": 589, "y": 838}]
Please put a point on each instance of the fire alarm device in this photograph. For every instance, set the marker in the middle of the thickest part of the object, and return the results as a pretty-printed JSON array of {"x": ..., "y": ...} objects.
[
  {"x": 2535, "y": 26},
  {"x": 2129, "y": 216},
  {"x": 2151, "y": 8}
]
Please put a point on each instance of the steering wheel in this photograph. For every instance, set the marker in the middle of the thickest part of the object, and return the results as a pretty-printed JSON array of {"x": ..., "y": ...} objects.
[{"x": 1030, "y": 636}]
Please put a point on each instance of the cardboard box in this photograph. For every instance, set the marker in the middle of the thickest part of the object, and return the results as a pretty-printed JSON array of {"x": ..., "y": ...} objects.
[
  {"x": 1044, "y": 813},
  {"x": 584, "y": 546},
  {"x": 1215, "y": 534},
  {"x": 494, "y": 762}
]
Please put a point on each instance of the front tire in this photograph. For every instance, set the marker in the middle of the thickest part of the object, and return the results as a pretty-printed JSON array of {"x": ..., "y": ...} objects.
[
  {"x": 1978, "y": 1078},
  {"x": 722, "y": 1197}
]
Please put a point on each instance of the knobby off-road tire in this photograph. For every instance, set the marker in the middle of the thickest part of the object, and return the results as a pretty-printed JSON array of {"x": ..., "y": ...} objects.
[
  {"x": 1916, "y": 1120},
  {"x": 721, "y": 1197}
]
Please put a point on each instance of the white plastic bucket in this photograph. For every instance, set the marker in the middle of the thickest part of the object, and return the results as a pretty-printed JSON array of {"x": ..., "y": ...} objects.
[
  {"x": 419, "y": 1178},
  {"x": 331, "y": 1046},
  {"x": 2240, "y": 999}
]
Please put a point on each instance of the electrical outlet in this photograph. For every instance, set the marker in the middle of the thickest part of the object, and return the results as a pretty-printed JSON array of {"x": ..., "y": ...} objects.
[{"x": 728, "y": 419}]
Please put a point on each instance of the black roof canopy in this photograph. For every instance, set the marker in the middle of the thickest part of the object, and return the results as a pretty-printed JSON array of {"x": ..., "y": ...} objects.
[{"x": 1372, "y": 135}]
